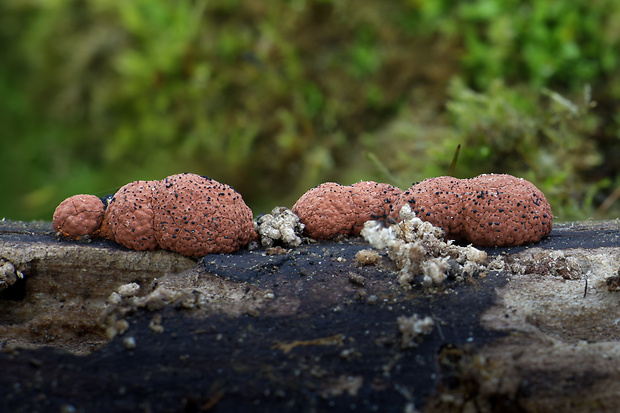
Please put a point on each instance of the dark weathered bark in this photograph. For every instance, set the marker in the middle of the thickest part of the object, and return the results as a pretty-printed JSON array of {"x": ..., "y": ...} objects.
[{"x": 306, "y": 330}]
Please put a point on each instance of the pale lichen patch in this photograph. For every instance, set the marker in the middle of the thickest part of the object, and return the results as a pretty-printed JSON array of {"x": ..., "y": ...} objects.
[{"x": 562, "y": 295}]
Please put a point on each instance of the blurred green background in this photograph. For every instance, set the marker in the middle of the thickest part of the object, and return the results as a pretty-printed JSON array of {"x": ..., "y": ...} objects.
[{"x": 275, "y": 97}]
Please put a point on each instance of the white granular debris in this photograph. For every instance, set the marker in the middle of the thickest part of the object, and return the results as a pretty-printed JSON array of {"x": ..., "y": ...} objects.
[
  {"x": 413, "y": 327},
  {"x": 129, "y": 342},
  {"x": 114, "y": 299},
  {"x": 281, "y": 226},
  {"x": 410, "y": 408},
  {"x": 8, "y": 274},
  {"x": 121, "y": 326},
  {"x": 128, "y": 290},
  {"x": 367, "y": 257},
  {"x": 158, "y": 299},
  {"x": 418, "y": 249},
  {"x": 116, "y": 327},
  {"x": 435, "y": 271}
]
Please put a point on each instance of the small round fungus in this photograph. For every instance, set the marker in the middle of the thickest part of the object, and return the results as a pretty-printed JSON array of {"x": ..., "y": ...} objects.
[
  {"x": 488, "y": 210},
  {"x": 196, "y": 216},
  {"x": 326, "y": 211},
  {"x": 331, "y": 209},
  {"x": 78, "y": 216},
  {"x": 129, "y": 216}
]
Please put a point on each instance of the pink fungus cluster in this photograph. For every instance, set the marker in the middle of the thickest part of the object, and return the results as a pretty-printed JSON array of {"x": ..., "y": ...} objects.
[
  {"x": 488, "y": 210},
  {"x": 185, "y": 213},
  {"x": 331, "y": 209},
  {"x": 195, "y": 216}
]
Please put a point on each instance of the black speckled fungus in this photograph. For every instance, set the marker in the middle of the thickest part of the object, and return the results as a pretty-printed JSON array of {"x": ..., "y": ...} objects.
[
  {"x": 331, "y": 209},
  {"x": 185, "y": 213},
  {"x": 129, "y": 216},
  {"x": 489, "y": 210},
  {"x": 196, "y": 216},
  {"x": 326, "y": 211},
  {"x": 372, "y": 200}
]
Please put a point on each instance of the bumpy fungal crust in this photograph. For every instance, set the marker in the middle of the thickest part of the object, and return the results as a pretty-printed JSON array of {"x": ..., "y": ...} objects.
[
  {"x": 331, "y": 209},
  {"x": 372, "y": 200},
  {"x": 129, "y": 216},
  {"x": 78, "y": 216},
  {"x": 438, "y": 201},
  {"x": 509, "y": 211},
  {"x": 196, "y": 216},
  {"x": 489, "y": 210},
  {"x": 326, "y": 211}
]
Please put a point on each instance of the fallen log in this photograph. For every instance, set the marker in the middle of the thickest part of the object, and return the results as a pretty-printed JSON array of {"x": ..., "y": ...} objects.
[{"x": 92, "y": 326}]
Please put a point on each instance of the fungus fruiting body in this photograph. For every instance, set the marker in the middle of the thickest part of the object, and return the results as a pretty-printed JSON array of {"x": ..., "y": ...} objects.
[
  {"x": 195, "y": 216},
  {"x": 185, "y": 213},
  {"x": 331, "y": 209},
  {"x": 326, "y": 211},
  {"x": 129, "y": 216},
  {"x": 489, "y": 210},
  {"x": 78, "y": 216},
  {"x": 372, "y": 200}
]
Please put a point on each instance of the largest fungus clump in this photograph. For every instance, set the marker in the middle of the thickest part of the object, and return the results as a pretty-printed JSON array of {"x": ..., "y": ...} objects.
[
  {"x": 186, "y": 213},
  {"x": 195, "y": 216},
  {"x": 488, "y": 210}
]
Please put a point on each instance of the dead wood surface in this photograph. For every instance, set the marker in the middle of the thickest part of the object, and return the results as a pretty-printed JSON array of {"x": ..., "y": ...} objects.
[{"x": 308, "y": 329}]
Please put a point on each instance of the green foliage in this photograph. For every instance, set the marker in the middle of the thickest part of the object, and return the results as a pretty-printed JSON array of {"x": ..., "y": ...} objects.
[
  {"x": 545, "y": 43},
  {"x": 275, "y": 97}
]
